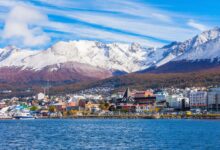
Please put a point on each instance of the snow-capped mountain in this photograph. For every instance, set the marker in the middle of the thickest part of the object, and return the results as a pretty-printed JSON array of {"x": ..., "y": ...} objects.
[
  {"x": 116, "y": 56},
  {"x": 77, "y": 59},
  {"x": 189, "y": 49},
  {"x": 11, "y": 55},
  {"x": 203, "y": 49}
]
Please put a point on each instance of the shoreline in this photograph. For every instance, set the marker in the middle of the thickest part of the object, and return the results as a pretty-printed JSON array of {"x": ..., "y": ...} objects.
[{"x": 195, "y": 117}]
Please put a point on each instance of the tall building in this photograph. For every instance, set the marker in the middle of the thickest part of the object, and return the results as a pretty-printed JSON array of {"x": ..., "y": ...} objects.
[
  {"x": 198, "y": 99},
  {"x": 214, "y": 99},
  {"x": 178, "y": 102}
]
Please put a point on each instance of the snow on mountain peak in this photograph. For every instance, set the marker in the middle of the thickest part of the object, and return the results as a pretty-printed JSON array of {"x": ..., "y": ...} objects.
[
  {"x": 112, "y": 56},
  {"x": 206, "y": 36},
  {"x": 202, "y": 46},
  {"x": 209, "y": 50},
  {"x": 10, "y": 54}
]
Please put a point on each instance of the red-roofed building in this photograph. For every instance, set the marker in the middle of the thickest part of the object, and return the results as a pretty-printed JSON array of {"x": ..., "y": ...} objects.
[{"x": 141, "y": 100}]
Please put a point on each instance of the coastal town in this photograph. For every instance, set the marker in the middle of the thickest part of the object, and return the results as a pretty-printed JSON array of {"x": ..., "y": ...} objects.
[{"x": 127, "y": 103}]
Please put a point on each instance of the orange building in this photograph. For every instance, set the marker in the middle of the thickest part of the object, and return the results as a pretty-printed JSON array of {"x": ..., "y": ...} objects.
[
  {"x": 60, "y": 106},
  {"x": 143, "y": 94},
  {"x": 71, "y": 104}
]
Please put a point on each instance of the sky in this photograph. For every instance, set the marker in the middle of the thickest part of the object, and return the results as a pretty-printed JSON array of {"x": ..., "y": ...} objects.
[{"x": 38, "y": 24}]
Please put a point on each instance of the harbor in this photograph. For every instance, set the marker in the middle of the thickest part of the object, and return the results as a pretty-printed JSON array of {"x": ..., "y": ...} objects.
[{"x": 170, "y": 103}]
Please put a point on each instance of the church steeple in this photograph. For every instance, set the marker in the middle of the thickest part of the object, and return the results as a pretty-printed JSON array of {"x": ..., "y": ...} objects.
[
  {"x": 127, "y": 93},
  {"x": 127, "y": 96}
]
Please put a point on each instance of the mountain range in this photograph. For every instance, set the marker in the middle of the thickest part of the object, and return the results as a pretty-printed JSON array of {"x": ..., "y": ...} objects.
[{"x": 77, "y": 61}]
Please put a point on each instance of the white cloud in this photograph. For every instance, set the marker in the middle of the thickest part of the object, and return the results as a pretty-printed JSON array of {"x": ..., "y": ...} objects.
[
  {"x": 138, "y": 26},
  {"x": 196, "y": 25},
  {"x": 162, "y": 17},
  {"x": 115, "y": 37},
  {"x": 109, "y": 20},
  {"x": 84, "y": 32},
  {"x": 131, "y": 17},
  {"x": 22, "y": 24}
]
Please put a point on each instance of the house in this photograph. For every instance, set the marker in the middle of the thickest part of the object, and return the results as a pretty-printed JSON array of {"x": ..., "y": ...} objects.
[
  {"x": 2, "y": 105},
  {"x": 92, "y": 106},
  {"x": 82, "y": 103},
  {"x": 60, "y": 106},
  {"x": 76, "y": 108},
  {"x": 71, "y": 104},
  {"x": 43, "y": 112}
]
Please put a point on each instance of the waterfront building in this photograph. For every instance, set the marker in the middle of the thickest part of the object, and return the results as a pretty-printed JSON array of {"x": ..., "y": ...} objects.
[
  {"x": 214, "y": 99},
  {"x": 146, "y": 93},
  {"x": 127, "y": 102},
  {"x": 92, "y": 106},
  {"x": 178, "y": 102},
  {"x": 76, "y": 108},
  {"x": 82, "y": 103},
  {"x": 71, "y": 104},
  {"x": 43, "y": 112},
  {"x": 161, "y": 96},
  {"x": 141, "y": 108},
  {"x": 160, "y": 105},
  {"x": 198, "y": 99},
  {"x": 61, "y": 106},
  {"x": 40, "y": 96},
  {"x": 136, "y": 101},
  {"x": 2, "y": 105}
]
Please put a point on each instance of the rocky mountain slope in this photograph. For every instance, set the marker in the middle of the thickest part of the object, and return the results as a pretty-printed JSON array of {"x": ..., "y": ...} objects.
[
  {"x": 74, "y": 61},
  {"x": 115, "y": 56},
  {"x": 82, "y": 60},
  {"x": 200, "y": 52}
]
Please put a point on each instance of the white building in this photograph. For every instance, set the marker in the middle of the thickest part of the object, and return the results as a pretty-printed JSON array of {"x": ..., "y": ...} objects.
[
  {"x": 40, "y": 96},
  {"x": 178, "y": 101},
  {"x": 214, "y": 99},
  {"x": 161, "y": 96},
  {"x": 198, "y": 99}
]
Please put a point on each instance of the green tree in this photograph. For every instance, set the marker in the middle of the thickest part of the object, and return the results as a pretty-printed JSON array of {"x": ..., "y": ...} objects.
[
  {"x": 104, "y": 106},
  {"x": 72, "y": 112},
  {"x": 52, "y": 108},
  {"x": 34, "y": 108}
]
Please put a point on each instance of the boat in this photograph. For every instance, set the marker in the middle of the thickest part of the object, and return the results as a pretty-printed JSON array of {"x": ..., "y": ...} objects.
[{"x": 23, "y": 116}]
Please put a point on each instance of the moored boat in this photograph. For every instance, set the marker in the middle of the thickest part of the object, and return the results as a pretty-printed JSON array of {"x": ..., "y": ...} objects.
[{"x": 23, "y": 116}]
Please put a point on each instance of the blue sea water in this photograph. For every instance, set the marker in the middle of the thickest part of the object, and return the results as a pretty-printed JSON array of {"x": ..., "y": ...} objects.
[{"x": 134, "y": 134}]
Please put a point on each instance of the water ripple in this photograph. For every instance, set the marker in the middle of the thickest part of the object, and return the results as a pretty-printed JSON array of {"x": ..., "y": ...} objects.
[{"x": 112, "y": 134}]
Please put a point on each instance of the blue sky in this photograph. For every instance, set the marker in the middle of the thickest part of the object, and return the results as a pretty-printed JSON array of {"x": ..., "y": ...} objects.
[{"x": 39, "y": 24}]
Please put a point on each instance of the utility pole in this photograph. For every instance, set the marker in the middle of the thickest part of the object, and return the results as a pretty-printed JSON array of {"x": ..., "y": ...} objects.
[
  {"x": 48, "y": 88},
  {"x": 44, "y": 91}
]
